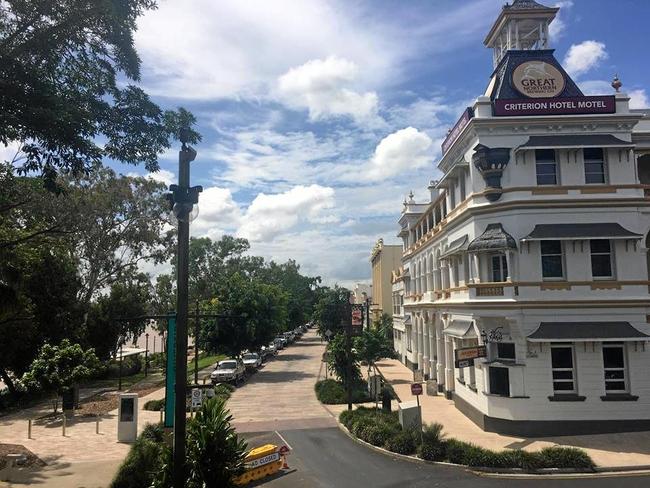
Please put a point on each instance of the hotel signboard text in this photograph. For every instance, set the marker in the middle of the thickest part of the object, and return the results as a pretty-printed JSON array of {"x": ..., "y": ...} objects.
[
  {"x": 453, "y": 134},
  {"x": 605, "y": 104}
]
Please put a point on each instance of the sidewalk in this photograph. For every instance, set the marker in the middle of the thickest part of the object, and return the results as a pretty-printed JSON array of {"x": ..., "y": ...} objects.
[{"x": 607, "y": 450}]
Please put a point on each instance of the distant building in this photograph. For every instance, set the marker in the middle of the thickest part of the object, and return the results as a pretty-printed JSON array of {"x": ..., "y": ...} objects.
[
  {"x": 525, "y": 276},
  {"x": 384, "y": 259},
  {"x": 362, "y": 292}
]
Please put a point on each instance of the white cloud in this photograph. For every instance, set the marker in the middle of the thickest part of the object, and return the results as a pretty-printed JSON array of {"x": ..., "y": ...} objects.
[
  {"x": 638, "y": 99},
  {"x": 558, "y": 26},
  {"x": 233, "y": 48},
  {"x": 582, "y": 57},
  {"x": 218, "y": 213},
  {"x": 322, "y": 86},
  {"x": 10, "y": 152},
  {"x": 401, "y": 151},
  {"x": 165, "y": 176},
  {"x": 270, "y": 215},
  {"x": 595, "y": 87}
]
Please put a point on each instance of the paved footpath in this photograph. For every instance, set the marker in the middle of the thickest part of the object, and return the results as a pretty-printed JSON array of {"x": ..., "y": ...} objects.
[{"x": 627, "y": 449}]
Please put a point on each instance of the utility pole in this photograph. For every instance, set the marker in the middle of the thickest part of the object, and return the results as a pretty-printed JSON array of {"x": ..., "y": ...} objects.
[
  {"x": 183, "y": 198},
  {"x": 196, "y": 345},
  {"x": 347, "y": 323},
  {"x": 146, "y": 354}
]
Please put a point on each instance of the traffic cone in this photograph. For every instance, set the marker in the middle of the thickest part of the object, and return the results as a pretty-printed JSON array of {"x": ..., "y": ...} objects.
[{"x": 284, "y": 462}]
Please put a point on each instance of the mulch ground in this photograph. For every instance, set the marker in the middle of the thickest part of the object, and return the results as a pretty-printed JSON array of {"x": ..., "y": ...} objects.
[
  {"x": 31, "y": 458},
  {"x": 102, "y": 403}
]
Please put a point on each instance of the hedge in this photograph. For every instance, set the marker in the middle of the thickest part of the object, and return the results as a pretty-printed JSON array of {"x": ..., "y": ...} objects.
[
  {"x": 332, "y": 392},
  {"x": 382, "y": 429}
]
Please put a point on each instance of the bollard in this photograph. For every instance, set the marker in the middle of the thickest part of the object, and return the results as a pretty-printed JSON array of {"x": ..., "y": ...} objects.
[
  {"x": 205, "y": 378},
  {"x": 29, "y": 429},
  {"x": 63, "y": 424},
  {"x": 97, "y": 426},
  {"x": 161, "y": 415}
]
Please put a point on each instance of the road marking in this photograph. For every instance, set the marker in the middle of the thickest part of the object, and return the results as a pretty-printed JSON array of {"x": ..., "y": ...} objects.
[{"x": 284, "y": 440}]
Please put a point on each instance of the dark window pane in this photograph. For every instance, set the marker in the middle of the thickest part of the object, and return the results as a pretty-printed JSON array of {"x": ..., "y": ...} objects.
[
  {"x": 613, "y": 357},
  {"x": 615, "y": 374},
  {"x": 545, "y": 155},
  {"x": 563, "y": 385},
  {"x": 601, "y": 265},
  {"x": 499, "y": 381},
  {"x": 600, "y": 245},
  {"x": 506, "y": 350},
  {"x": 551, "y": 247},
  {"x": 593, "y": 153},
  {"x": 552, "y": 266},
  {"x": 546, "y": 180},
  {"x": 615, "y": 385},
  {"x": 561, "y": 357},
  {"x": 594, "y": 167},
  {"x": 546, "y": 168},
  {"x": 562, "y": 375},
  {"x": 594, "y": 178}
]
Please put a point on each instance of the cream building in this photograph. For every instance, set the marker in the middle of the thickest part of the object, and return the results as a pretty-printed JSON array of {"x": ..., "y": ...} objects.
[
  {"x": 534, "y": 244},
  {"x": 383, "y": 259}
]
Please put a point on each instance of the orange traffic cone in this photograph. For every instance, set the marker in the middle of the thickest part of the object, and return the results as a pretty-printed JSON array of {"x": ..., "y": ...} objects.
[{"x": 284, "y": 463}]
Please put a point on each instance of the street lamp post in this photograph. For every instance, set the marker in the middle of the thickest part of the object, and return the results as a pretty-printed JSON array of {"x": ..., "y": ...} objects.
[
  {"x": 183, "y": 198},
  {"x": 146, "y": 354}
]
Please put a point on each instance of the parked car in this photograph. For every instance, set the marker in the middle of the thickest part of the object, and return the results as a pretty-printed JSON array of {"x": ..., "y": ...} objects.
[
  {"x": 252, "y": 360},
  {"x": 279, "y": 342},
  {"x": 272, "y": 349},
  {"x": 229, "y": 371}
]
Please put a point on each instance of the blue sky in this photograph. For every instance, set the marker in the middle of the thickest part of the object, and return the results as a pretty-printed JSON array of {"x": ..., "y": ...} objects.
[{"x": 318, "y": 117}]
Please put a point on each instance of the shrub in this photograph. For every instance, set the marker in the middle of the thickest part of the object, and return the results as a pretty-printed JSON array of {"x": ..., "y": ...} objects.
[
  {"x": 565, "y": 457},
  {"x": 361, "y": 426},
  {"x": 143, "y": 461},
  {"x": 332, "y": 392},
  {"x": 402, "y": 443},
  {"x": 153, "y": 432},
  {"x": 155, "y": 405},
  {"x": 346, "y": 417},
  {"x": 433, "y": 445},
  {"x": 460, "y": 452},
  {"x": 379, "y": 434}
]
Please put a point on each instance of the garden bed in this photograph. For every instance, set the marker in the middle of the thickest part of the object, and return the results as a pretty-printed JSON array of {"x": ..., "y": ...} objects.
[
  {"x": 332, "y": 392},
  {"x": 31, "y": 459},
  {"x": 382, "y": 429},
  {"x": 222, "y": 390}
]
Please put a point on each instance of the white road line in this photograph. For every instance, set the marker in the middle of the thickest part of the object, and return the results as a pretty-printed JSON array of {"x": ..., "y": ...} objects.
[{"x": 284, "y": 440}]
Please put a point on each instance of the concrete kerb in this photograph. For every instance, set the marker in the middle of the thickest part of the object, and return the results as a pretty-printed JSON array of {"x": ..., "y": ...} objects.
[{"x": 508, "y": 473}]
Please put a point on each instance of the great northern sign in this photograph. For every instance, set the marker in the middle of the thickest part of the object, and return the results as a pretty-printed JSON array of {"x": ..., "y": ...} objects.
[{"x": 605, "y": 104}]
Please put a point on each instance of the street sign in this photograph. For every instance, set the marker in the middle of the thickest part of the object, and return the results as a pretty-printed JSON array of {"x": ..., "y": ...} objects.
[
  {"x": 470, "y": 353},
  {"x": 416, "y": 389},
  {"x": 284, "y": 450},
  {"x": 329, "y": 333},
  {"x": 357, "y": 314},
  {"x": 197, "y": 397},
  {"x": 256, "y": 463},
  {"x": 464, "y": 363}
]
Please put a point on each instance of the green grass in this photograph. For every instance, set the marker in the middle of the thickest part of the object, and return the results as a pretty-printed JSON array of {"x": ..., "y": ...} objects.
[
  {"x": 127, "y": 381},
  {"x": 204, "y": 362}
]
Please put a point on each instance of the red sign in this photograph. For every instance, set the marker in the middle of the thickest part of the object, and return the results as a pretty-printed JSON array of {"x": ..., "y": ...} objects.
[
  {"x": 416, "y": 389},
  {"x": 605, "y": 104},
  {"x": 357, "y": 315},
  {"x": 283, "y": 450},
  {"x": 457, "y": 129}
]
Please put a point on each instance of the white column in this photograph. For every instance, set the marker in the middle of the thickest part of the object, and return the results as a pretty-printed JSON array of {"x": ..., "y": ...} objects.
[
  {"x": 425, "y": 345},
  {"x": 419, "y": 339},
  {"x": 449, "y": 364},
  {"x": 475, "y": 266},
  {"x": 440, "y": 351},
  {"x": 509, "y": 265},
  {"x": 432, "y": 346}
]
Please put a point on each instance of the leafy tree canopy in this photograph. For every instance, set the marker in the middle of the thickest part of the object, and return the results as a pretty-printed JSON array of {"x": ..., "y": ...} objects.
[{"x": 67, "y": 69}]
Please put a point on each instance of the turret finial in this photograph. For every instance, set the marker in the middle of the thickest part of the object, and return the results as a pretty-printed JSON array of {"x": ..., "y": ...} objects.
[{"x": 616, "y": 83}]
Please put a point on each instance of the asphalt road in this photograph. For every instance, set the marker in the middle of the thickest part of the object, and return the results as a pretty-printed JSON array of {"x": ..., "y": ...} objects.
[{"x": 327, "y": 458}]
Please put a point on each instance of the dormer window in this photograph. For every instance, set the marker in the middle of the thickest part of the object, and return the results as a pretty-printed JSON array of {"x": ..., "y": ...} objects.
[
  {"x": 594, "y": 166},
  {"x": 546, "y": 167}
]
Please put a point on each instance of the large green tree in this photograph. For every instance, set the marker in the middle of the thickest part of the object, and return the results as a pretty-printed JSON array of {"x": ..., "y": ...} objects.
[
  {"x": 331, "y": 308},
  {"x": 67, "y": 92}
]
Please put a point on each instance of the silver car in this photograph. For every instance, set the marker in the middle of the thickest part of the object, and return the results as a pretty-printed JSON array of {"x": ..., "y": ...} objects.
[
  {"x": 252, "y": 360},
  {"x": 228, "y": 371}
]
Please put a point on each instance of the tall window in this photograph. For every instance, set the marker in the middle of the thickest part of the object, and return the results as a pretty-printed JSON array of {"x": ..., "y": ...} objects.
[
  {"x": 562, "y": 368},
  {"x": 498, "y": 268},
  {"x": 594, "y": 165},
  {"x": 614, "y": 368},
  {"x": 506, "y": 351},
  {"x": 407, "y": 331},
  {"x": 462, "y": 186},
  {"x": 552, "y": 266},
  {"x": 546, "y": 167},
  {"x": 601, "y": 258},
  {"x": 499, "y": 381}
]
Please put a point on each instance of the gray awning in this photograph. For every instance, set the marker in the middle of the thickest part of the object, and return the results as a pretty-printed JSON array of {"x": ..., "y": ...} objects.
[
  {"x": 493, "y": 239},
  {"x": 574, "y": 141},
  {"x": 608, "y": 230},
  {"x": 586, "y": 332},
  {"x": 456, "y": 246},
  {"x": 461, "y": 329}
]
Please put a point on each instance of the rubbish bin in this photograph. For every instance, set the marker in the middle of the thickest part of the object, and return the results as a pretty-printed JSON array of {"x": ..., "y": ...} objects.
[{"x": 385, "y": 400}]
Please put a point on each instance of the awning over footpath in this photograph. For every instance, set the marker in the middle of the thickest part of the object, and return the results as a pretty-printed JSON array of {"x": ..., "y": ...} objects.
[
  {"x": 493, "y": 239},
  {"x": 456, "y": 246},
  {"x": 608, "y": 230},
  {"x": 586, "y": 332},
  {"x": 462, "y": 329},
  {"x": 574, "y": 141}
]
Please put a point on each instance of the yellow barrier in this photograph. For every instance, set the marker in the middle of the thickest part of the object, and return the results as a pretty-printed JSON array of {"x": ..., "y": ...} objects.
[{"x": 260, "y": 462}]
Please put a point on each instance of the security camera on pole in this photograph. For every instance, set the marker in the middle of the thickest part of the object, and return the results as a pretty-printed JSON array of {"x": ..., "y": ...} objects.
[{"x": 183, "y": 199}]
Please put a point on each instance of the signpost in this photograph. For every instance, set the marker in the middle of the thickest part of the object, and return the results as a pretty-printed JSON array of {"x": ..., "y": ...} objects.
[
  {"x": 416, "y": 389},
  {"x": 328, "y": 334},
  {"x": 197, "y": 398},
  {"x": 464, "y": 357}
]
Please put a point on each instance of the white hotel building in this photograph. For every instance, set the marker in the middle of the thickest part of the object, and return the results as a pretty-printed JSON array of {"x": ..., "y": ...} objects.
[{"x": 534, "y": 243}]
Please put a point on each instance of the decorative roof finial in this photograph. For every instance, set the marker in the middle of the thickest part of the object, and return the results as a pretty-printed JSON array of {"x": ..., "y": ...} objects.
[
  {"x": 616, "y": 83},
  {"x": 411, "y": 197}
]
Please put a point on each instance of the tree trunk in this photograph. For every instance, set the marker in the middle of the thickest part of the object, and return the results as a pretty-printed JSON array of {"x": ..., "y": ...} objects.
[{"x": 9, "y": 382}]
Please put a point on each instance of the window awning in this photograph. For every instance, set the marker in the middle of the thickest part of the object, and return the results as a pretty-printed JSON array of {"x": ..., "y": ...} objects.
[
  {"x": 586, "y": 332},
  {"x": 574, "y": 141},
  {"x": 554, "y": 232},
  {"x": 462, "y": 329},
  {"x": 456, "y": 246},
  {"x": 493, "y": 239}
]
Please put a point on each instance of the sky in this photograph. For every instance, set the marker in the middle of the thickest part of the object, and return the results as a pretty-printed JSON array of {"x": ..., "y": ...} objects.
[{"x": 318, "y": 117}]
